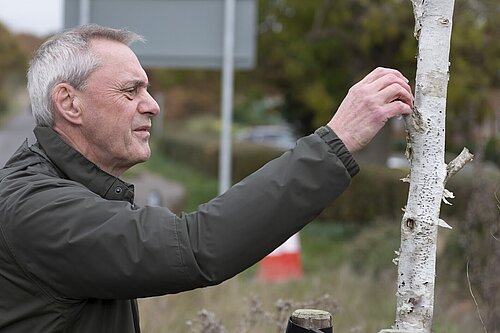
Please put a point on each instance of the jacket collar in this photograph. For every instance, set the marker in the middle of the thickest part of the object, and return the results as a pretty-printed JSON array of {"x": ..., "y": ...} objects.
[{"x": 73, "y": 165}]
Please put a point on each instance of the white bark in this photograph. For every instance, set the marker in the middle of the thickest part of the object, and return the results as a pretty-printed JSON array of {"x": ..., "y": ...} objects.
[
  {"x": 458, "y": 162},
  {"x": 426, "y": 139}
]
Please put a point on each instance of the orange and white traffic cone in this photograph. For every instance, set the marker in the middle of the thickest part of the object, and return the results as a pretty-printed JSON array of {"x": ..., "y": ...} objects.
[{"x": 283, "y": 264}]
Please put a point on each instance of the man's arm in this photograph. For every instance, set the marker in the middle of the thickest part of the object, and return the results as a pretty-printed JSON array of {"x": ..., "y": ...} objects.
[
  {"x": 97, "y": 248},
  {"x": 78, "y": 245}
]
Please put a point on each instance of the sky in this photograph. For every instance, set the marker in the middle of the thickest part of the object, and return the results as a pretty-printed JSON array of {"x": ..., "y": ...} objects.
[{"x": 39, "y": 17}]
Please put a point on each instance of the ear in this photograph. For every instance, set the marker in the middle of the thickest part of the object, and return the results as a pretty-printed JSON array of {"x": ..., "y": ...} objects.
[{"x": 65, "y": 101}]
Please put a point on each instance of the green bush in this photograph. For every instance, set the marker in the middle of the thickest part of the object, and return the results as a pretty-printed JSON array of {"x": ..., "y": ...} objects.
[
  {"x": 199, "y": 152},
  {"x": 376, "y": 192},
  {"x": 372, "y": 250},
  {"x": 203, "y": 153},
  {"x": 492, "y": 150},
  {"x": 3, "y": 102}
]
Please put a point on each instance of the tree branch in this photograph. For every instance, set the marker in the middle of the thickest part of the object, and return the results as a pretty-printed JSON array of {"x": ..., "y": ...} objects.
[{"x": 458, "y": 163}]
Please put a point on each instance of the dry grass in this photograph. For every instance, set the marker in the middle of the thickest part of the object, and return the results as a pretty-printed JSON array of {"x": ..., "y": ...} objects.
[
  {"x": 365, "y": 304},
  {"x": 362, "y": 296}
]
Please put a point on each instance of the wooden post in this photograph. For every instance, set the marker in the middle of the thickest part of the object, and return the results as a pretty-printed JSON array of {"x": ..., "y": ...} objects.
[{"x": 309, "y": 319}]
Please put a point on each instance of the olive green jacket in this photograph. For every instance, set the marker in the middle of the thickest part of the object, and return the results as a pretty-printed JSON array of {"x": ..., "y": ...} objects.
[{"x": 75, "y": 252}]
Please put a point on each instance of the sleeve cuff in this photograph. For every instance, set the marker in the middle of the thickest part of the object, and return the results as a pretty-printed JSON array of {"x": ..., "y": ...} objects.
[{"x": 338, "y": 148}]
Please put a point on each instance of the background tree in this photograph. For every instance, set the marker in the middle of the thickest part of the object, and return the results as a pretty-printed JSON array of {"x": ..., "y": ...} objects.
[
  {"x": 12, "y": 64},
  {"x": 477, "y": 73},
  {"x": 313, "y": 51}
]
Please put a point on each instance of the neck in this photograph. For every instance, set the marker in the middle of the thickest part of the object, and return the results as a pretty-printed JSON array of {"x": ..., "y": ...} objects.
[{"x": 74, "y": 138}]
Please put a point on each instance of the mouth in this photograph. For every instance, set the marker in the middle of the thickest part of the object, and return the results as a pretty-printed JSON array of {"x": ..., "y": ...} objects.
[
  {"x": 145, "y": 128},
  {"x": 142, "y": 131}
]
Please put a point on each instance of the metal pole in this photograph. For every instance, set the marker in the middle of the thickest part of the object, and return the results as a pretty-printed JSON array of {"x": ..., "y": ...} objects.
[
  {"x": 227, "y": 96},
  {"x": 84, "y": 12}
]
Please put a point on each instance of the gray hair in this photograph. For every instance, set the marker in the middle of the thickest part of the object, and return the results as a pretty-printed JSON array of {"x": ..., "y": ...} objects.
[{"x": 67, "y": 57}]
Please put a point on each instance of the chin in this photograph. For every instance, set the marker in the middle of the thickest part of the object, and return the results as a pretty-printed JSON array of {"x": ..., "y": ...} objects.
[
  {"x": 136, "y": 156},
  {"x": 144, "y": 156}
]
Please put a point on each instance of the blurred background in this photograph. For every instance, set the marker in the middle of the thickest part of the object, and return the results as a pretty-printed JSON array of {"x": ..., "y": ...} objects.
[{"x": 308, "y": 55}]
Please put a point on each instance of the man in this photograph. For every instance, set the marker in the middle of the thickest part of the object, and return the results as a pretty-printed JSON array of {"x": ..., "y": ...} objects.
[{"x": 75, "y": 252}]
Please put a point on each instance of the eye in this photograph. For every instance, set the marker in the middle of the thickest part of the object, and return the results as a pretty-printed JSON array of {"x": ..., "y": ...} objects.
[{"x": 130, "y": 92}]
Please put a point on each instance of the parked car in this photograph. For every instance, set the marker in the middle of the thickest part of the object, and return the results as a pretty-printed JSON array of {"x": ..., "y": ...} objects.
[{"x": 279, "y": 136}]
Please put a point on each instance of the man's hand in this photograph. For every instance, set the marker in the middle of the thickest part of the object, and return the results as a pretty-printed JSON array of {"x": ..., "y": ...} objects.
[{"x": 381, "y": 95}]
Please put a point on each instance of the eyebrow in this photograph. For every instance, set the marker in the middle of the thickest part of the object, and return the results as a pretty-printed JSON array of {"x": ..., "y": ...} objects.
[{"x": 137, "y": 83}]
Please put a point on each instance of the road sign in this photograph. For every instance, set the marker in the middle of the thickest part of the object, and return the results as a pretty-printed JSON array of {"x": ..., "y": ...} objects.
[{"x": 179, "y": 33}]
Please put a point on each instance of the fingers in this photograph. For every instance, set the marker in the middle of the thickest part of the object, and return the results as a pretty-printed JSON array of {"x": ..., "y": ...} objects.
[
  {"x": 389, "y": 84},
  {"x": 392, "y": 91},
  {"x": 395, "y": 100},
  {"x": 390, "y": 79},
  {"x": 382, "y": 94},
  {"x": 379, "y": 72},
  {"x": 396, "y": 92},
  {"x": 397, "y": 108}
]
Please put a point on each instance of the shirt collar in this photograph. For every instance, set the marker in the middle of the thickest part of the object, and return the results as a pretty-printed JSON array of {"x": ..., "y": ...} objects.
[{"x": 73, "y": 165}]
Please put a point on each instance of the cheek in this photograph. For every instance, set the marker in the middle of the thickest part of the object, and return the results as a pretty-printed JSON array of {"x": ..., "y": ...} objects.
[
  {"x": 109, "y": 131},
  {"x": 115, "y": 121},
  {"x": 111, "y": 122}
]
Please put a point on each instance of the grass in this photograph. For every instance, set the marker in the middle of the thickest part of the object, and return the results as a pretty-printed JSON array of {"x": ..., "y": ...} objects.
[
  {"x": 365, "y": 301},
  {"x": 361, "y": 303},
  {"x": 350, "y": 263}
]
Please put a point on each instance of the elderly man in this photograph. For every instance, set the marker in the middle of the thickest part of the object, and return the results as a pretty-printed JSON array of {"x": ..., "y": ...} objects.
[{"x": 75, "y": 251}]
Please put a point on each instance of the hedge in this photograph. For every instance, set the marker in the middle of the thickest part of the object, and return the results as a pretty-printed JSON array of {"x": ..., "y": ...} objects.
[
  {"x": 203, "y": 153},
  {"x": 376, "y": 192}
]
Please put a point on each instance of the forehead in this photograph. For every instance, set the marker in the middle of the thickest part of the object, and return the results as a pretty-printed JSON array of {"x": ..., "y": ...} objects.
[{"x": 117, "y": 62}]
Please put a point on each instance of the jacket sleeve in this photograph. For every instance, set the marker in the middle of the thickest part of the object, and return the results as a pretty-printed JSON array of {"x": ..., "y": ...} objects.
[{"x": 77, "y": 245}]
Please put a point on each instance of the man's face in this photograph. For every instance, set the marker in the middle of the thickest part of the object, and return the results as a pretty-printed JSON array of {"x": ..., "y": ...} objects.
[{"x": 116, "y": 109}]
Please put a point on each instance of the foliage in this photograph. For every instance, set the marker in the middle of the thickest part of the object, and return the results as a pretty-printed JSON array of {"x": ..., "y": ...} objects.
[
  {"x": 313, "y": 51},
  {"x": 373, "y": 249},
  {"x": 202, "y": 152},
  {"x": 474, "y": 70},
  {"x": 12, "y": 57},
  {"x": 492, "y": 150},
  {"x": 12, "y": 64}
]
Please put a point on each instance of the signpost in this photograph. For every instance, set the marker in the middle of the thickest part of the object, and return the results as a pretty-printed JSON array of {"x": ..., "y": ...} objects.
[
  {"x": 202, "y": 34},
  {"x": 179, "y": 33}
]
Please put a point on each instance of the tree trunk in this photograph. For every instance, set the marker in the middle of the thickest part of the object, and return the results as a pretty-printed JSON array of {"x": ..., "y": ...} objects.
[{"x": 425, "y": 151}]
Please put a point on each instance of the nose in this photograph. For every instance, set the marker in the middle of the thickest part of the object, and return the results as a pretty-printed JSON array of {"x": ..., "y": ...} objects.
[{"x": 149, "y": 105}]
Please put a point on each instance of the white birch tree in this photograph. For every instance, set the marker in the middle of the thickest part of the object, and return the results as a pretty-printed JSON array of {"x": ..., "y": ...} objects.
[{"x": 428, "y": 171}]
